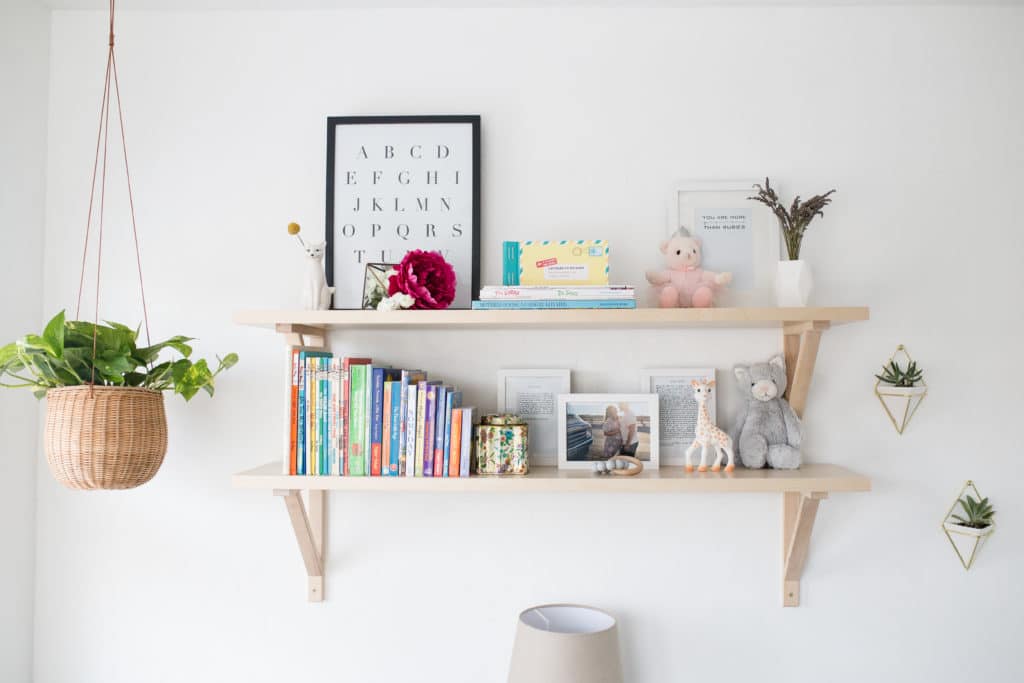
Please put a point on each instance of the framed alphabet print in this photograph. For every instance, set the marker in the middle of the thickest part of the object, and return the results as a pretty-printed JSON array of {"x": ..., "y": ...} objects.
[
  {"x": 399, "y": 183},
  {"x": 738, "y": 236}
]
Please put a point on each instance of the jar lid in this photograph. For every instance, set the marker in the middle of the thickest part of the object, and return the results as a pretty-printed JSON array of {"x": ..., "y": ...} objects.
[{"x": 504, "y": 420}]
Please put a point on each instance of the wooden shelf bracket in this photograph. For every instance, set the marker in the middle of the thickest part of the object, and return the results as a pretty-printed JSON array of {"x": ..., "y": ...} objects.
[
  {"x": 309, "y": 532},
  {"x": 798, "y": 513},
  {"x": 800, "y": 345}
]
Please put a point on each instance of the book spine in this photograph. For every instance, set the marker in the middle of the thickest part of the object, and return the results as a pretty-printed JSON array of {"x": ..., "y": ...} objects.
[
  {"x": 394, "y": 460},
  {"x": 333, "y": 377},
  {"x": 456, "y": 443},
  {"x": 439, "y": 404},
  {"x": 367, "y": 419},
  {"x": 410, "y": 431},
  {"x": 528, "y": 293},
  {"x": 403, "y": 411},
  {"x": 421, "y": 426},
  {"x": 377, "y": 424},
  {"x": 293, "y": 414},
  {"x": 467, "y": 442},
  {"x": 429, "y": 423},
  {"x": 300, "y": 464},
  {"x": 521, "y": 304},
  {"x": 356, "y": 408},
  {"x": 343, "y": 419},
  {"x": 385, "y": 432},
  {"x": 446, "y": 441},
  {"x": 325, "y": 395},
  {"x": 510, "y": 263}
]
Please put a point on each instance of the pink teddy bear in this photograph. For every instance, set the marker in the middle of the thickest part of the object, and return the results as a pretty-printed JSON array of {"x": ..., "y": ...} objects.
[{"x": 684, "y": 284}]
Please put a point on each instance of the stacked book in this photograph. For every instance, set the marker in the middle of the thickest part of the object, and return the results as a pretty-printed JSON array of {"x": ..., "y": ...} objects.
[
  {"x": 349, "y": 417},
  {"x": 544, "y": 296}
]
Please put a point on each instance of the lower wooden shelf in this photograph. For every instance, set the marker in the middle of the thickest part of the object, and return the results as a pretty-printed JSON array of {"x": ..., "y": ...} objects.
[
  {"x": 802, "y": 490},
  {"x": 812, "y": 477}
]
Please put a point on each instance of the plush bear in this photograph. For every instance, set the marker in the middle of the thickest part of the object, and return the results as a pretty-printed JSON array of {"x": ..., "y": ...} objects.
[
  {"x": 683, "y": 283},
  {"x": 767, "y": 431}
]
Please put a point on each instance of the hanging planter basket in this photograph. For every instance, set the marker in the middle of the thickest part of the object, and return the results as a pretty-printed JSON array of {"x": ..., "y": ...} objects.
[{"x": 100, "y": 437}]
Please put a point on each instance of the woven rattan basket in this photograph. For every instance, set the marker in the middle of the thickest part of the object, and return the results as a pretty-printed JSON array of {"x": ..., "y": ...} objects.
[{"x": 105, "y": 437}]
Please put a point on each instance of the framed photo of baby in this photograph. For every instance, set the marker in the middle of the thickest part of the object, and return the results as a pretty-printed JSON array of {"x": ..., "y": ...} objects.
[{"x": 595, "y": 427}]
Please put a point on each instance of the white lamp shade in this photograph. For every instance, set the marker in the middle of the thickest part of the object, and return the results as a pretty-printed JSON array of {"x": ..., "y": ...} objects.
[{"x": 565, "y": 644}]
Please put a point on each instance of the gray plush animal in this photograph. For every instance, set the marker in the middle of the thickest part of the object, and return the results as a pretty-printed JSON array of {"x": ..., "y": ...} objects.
[{"x": 767, "y": 431}]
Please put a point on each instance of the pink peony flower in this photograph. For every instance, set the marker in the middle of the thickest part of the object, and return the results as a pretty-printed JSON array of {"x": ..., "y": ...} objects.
[{"x": 426, "y": 277}]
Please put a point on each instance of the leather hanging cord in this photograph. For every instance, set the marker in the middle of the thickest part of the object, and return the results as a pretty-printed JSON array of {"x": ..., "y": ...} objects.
[{"x": 102, "y": 139}]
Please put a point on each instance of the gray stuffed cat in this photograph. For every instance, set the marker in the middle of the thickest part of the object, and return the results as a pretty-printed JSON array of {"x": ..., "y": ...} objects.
[{"x": 767, "y": 431}]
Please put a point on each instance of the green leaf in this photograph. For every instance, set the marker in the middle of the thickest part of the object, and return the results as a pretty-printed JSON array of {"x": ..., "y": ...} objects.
[
  {"x": 148, "y": 354},
  {"x": 53, "y": 334}
]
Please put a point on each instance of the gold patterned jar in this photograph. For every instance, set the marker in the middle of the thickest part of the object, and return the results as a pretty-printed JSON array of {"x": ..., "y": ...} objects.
[{"x": 502, "y": 445}]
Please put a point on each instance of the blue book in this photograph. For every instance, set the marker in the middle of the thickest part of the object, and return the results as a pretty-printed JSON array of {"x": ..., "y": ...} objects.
[
  {"x": 429, "y": 420},
  {"x": 452, "y": 402},
  {"x": 324, "y": 404},
  {"x": 510, "y": 264},
  {"x": 442, "y": 393},
  {"x": 525, "y": 305},
  {"x": 394, "y": 451}
]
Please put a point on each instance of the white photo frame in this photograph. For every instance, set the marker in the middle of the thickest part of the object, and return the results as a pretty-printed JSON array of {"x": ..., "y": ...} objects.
[
  {"x": 739, "y": 235},
  {"x": 533, "y": 395},
  {"x": 677, "y": 408},
  {"x": 581, "y": 415}
]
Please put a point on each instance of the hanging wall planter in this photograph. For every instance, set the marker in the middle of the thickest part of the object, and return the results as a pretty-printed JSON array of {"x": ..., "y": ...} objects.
[
  {"x": 900, "y": 388},
  {"x": 105, "y": 421},
  {"x": 968, "y": 523}
]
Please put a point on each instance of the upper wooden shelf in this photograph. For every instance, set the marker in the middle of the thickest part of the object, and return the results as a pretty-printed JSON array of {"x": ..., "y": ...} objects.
[
  {"x": 639, "y": 317},
  {"x": 809, "y": 478}
]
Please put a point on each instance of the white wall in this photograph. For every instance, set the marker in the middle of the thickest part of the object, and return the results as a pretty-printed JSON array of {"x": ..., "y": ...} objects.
[
  {"x": 913, "y": 113},
  {"x": 24, "y": 55}
]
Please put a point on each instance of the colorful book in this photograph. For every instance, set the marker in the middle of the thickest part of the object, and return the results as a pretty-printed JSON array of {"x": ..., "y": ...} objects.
[
  {"x": 334, "y": 384},
  {"x": 429, "y": 427},
  {"x": 290, "y": 463},
  {"x": 344, "y": 432},
  {"x": 376, "y": 420},
  {"x": 528, "y": 292},
  {"x": 439, "y": 404},
  {"x": 455, "y": 447},
  {"x": 527, "y": 304},
  {"x": 385, "y": 433},
  {"x": 355, "y": 461},
  {"x": 306, "y": 422},
  {"x": 421, "y": 427},
  {"x": 467, "y": 442},
  {"x": 453, "y": 401},
  {"x": 394, "y": 436},
  {"x": 409, "y": 380},
  {"x": 555, "y": 262},
  {"x": 410, "y": 430}
]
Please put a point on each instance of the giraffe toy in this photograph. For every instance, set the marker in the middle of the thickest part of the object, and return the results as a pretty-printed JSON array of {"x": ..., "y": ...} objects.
[{"x": 708, "y": 435}]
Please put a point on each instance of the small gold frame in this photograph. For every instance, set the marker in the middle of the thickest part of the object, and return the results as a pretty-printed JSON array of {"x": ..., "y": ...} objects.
[
  {"x": 979, "y": 535},
  {"x": 911, "y": 399}
]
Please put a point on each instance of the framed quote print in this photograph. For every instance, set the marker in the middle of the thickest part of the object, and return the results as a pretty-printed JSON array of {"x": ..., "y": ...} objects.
[
  {"x": 399, "y": 183},
  {"x": 737, "y": 235}
]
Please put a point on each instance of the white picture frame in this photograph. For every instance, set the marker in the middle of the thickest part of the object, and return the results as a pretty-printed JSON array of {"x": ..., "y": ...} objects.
[
  {"x": 590, "y": 410},
  {"x": 533, "y": 395},
  {"x": 677, "y": 408},
  {"x": 738, "y": 235}
]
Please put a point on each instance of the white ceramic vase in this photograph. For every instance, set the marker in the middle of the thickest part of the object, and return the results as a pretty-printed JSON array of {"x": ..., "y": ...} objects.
[{"x": 793, "y": 283}]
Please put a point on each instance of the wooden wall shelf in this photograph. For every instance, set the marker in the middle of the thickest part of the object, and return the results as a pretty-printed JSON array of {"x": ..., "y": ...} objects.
[
  {"x": 802, "y": 490},
  {"x": 639, "y": 317}
]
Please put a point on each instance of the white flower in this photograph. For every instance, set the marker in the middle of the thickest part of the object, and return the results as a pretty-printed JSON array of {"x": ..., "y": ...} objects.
[{"x": 396, "y": 302}]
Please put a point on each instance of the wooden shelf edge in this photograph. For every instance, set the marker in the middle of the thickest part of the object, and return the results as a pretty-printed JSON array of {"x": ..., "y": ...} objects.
[
  {"x": 811, "y": 477},
  {"x": 640, "y": 317}
]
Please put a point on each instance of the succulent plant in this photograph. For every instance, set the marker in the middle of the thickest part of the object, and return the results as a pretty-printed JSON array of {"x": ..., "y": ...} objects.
[
  {"x": 896, "y": 376},
  {"x": 979, "y": 513}
]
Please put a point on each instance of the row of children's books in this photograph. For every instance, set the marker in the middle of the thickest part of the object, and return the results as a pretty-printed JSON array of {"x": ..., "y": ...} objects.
[{"x": 348, "y": 417}]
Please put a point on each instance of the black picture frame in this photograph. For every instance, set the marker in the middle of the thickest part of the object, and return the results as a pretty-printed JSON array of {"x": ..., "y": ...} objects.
[{"x": 333, "y": 124}]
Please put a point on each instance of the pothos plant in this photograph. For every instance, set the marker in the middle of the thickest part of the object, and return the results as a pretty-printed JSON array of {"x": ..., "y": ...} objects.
[{"x": 64, "y": 355}]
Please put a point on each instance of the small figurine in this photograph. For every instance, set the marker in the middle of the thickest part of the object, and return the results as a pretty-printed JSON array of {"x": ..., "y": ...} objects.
[
  {"x": 683, "y": 283},
  {"x": 708, "y": 435},
  {"x": 316, "y": 295}
]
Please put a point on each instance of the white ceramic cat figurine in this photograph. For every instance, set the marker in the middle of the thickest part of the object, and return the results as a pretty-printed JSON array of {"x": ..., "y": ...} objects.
[{"x": 316, "y": 295}]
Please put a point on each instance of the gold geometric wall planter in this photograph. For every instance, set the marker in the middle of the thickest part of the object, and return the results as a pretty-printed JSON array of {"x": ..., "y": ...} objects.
[
  {"x": 966, "y": 541},
  {"x": 900, "y": 403}
]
